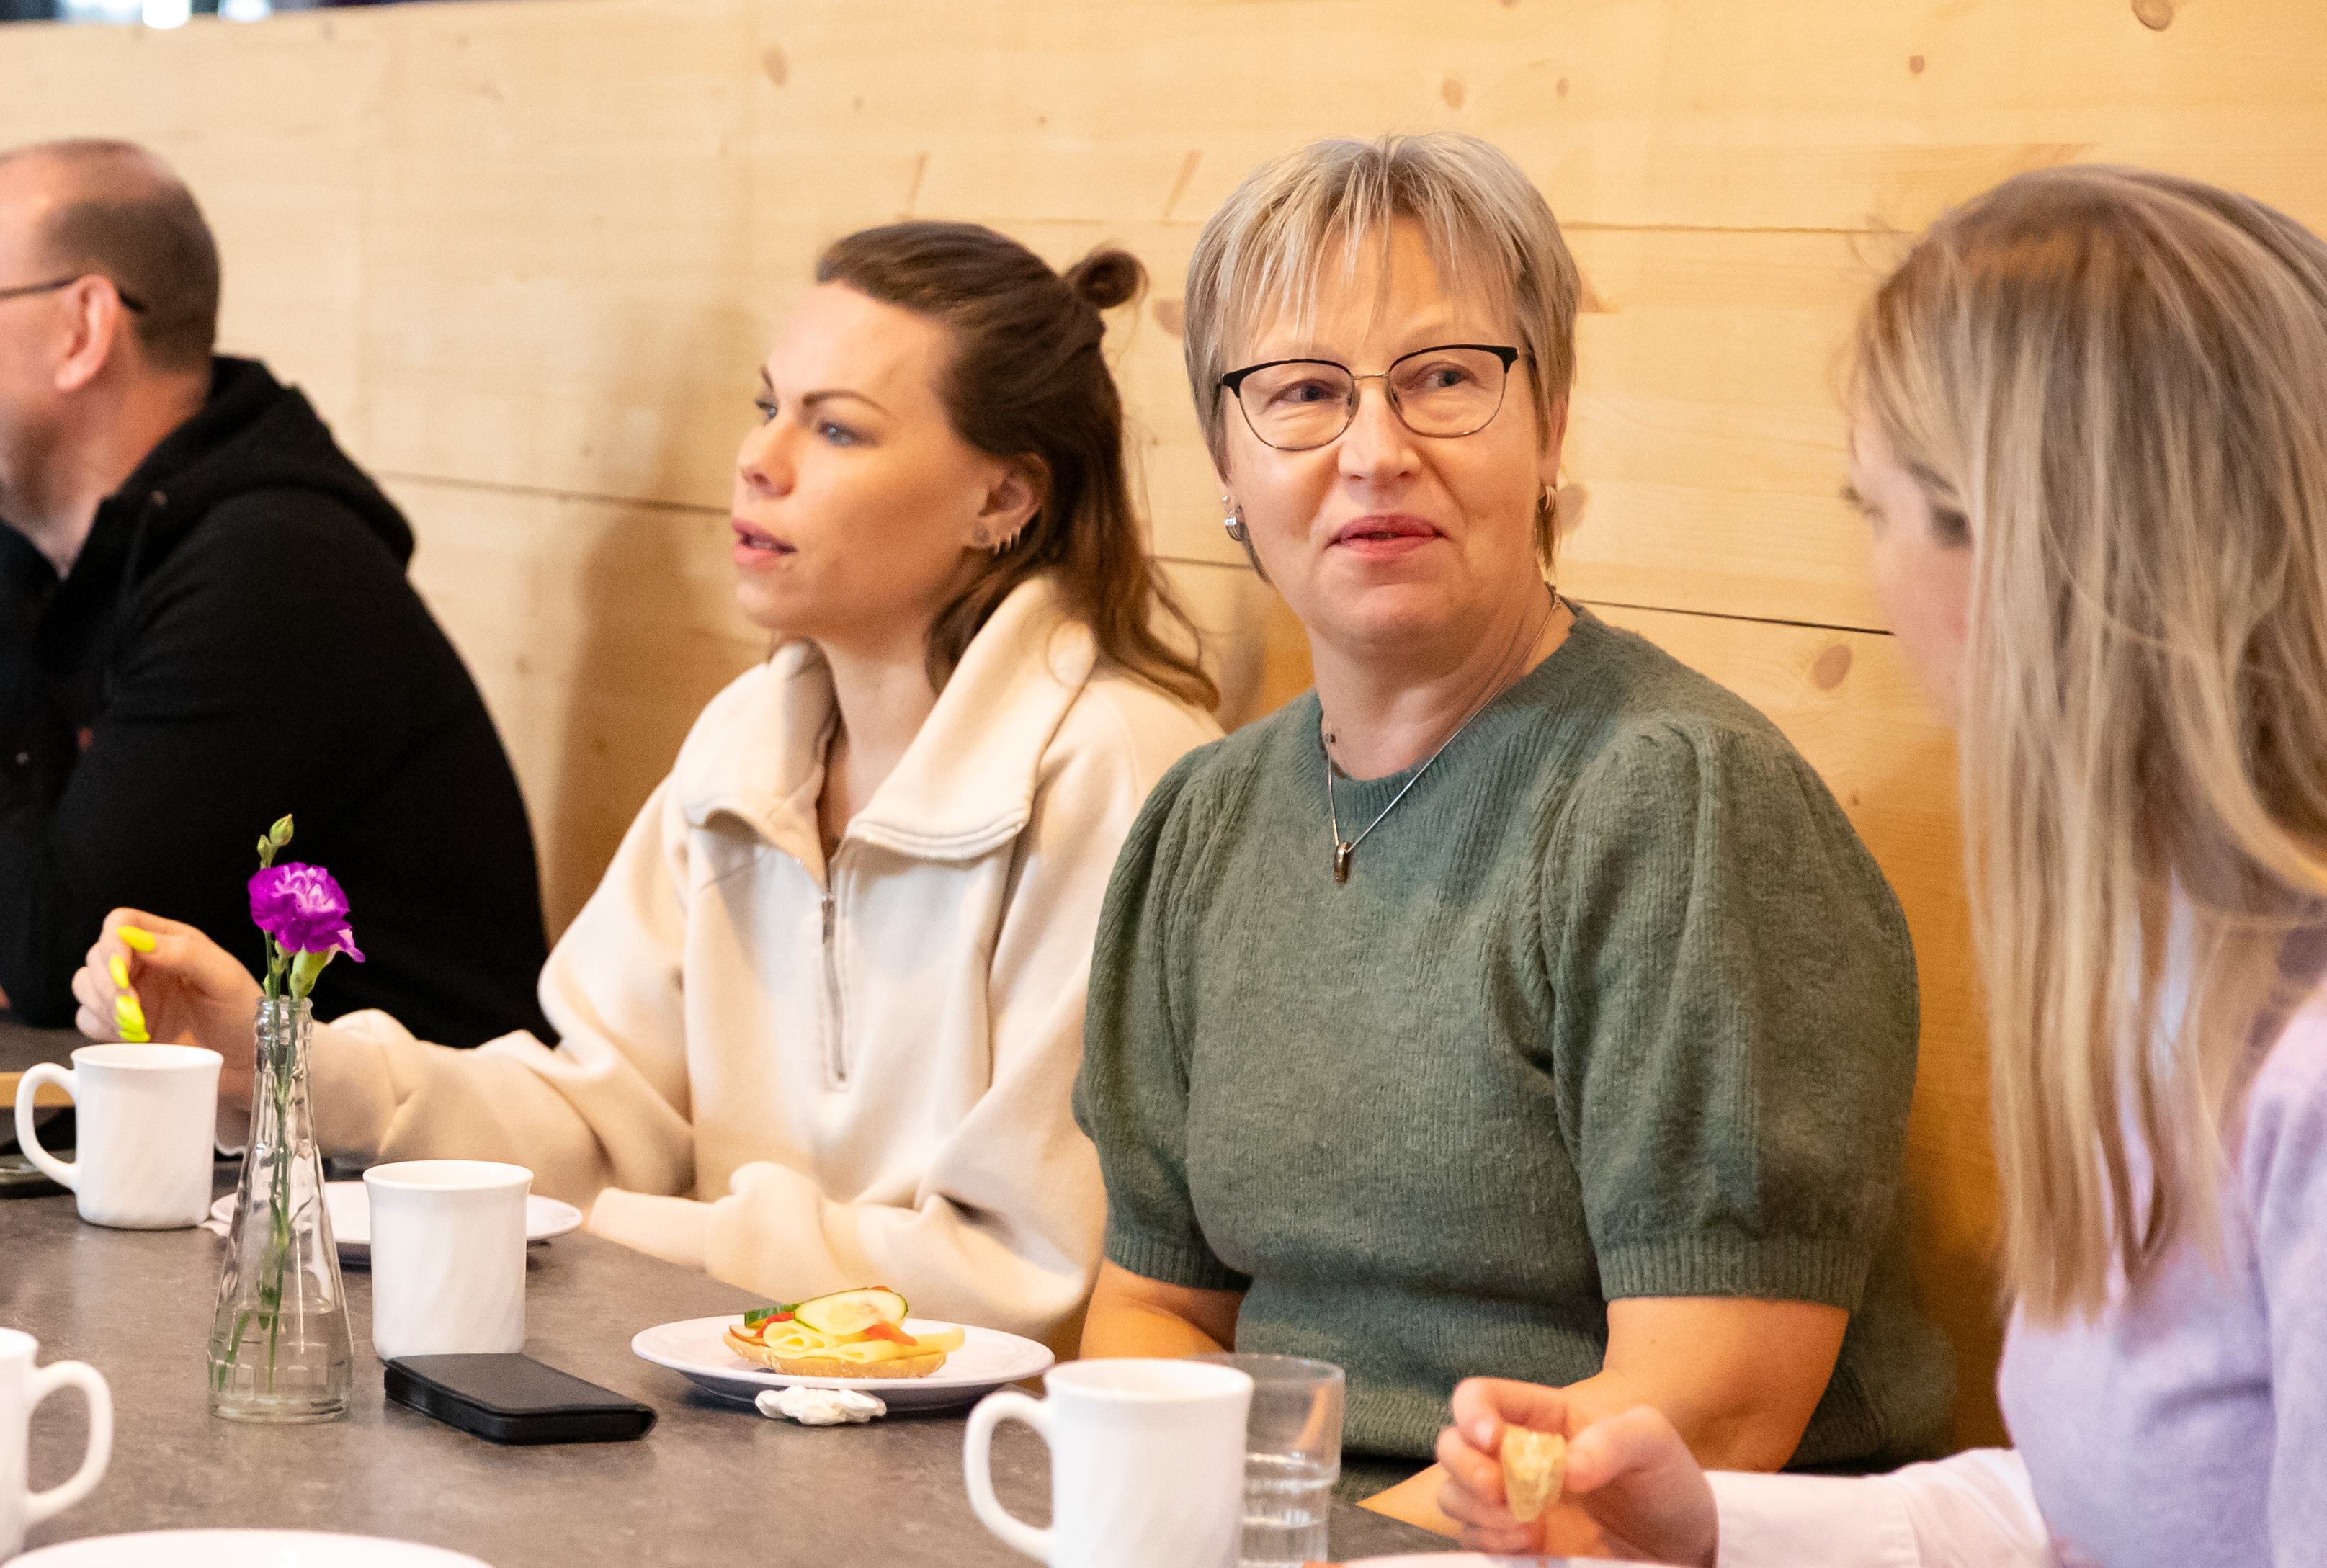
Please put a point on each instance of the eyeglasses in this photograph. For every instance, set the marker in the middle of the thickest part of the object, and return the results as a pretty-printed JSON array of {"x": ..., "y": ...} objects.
[
  {"x": 22, "y": 289},
  {"x": 1299, "y": 405}
]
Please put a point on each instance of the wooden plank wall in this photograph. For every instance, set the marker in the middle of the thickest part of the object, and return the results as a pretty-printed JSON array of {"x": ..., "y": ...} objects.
[{"x": 525, "y": 256}]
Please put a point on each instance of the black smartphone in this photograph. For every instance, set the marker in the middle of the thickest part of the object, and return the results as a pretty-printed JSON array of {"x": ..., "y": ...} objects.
[
  {"x": 20, "y": 1178},
  {"x": 515, "y": 1399}
]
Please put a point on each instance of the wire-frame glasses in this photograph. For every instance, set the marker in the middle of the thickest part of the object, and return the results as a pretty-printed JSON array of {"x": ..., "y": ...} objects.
[
  {"x": 1298, "y": 405},
  {"x": 54, "y": 283}
]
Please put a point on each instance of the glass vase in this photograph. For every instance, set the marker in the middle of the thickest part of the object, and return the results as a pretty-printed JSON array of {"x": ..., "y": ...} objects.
[{"x": 279, "y": 1348}]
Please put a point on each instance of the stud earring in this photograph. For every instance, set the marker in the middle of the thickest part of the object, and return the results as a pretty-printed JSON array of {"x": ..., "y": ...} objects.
[{"x": 1233, "y": 524}]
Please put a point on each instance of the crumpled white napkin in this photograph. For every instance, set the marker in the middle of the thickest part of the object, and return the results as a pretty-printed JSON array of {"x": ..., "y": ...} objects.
[{"x": 821, "y": 1406}]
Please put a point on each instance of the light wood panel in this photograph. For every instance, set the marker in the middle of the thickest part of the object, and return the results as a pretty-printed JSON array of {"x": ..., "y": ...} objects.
[
  {"x": 545, "y": 249},
  {"x": 596, "y": 631},
  {"x": 47, "y": 1097}
]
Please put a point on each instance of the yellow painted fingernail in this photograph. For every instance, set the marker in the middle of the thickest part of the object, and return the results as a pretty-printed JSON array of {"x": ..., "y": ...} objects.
[
  {"x": 141, "y": 940},
  {"x": 120, "y": 968},
  {"x": 135, "y": 1037},
  {"x": 128, "y": 1014}
]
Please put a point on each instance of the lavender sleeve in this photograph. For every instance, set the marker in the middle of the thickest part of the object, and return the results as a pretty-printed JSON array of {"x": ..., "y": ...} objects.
[{"x": 2283, "y": 1166}]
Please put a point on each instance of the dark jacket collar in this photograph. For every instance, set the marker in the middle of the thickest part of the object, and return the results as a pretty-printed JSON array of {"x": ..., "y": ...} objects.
[{"x": 251, "y": 434}]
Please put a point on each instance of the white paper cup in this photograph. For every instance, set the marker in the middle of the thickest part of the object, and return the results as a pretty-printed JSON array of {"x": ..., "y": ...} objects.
[
  {"x": 447, "y": 1258},
  {"x": 1146, "y": 1464},
  {"x": 147, "y": 1115},
  {"x": 22, "y": 1386}
]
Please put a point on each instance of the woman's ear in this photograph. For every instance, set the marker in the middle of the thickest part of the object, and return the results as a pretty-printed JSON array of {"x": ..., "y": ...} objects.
[{"x": 1016, "y": 493}]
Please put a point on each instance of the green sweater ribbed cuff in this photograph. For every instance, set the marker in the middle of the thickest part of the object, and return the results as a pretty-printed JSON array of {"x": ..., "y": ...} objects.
[
  {"x": 1777, "y": 1268},
  {"x": 1171, "y": 1262}
]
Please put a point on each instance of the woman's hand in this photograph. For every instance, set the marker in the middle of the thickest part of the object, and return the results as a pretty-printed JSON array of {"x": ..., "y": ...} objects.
[
  {"x": 1632, "y": 1487},
  {"x": 156, "y": 979}
]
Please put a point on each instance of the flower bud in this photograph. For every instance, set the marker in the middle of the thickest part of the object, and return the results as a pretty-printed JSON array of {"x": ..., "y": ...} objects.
[{"x": 305, "y": 968}]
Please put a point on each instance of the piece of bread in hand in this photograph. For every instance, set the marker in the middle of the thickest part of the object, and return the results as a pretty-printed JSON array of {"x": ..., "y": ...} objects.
[
  {"x": 826, "y": 1366},
  {"x": 1535, "y": 1465}
]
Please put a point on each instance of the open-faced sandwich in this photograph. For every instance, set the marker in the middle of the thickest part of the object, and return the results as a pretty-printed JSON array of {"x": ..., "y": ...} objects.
[{"x": 857, "y": 1333}]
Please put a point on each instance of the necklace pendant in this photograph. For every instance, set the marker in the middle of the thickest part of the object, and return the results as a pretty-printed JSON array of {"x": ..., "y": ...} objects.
[{"x": 1341, "y": 853}]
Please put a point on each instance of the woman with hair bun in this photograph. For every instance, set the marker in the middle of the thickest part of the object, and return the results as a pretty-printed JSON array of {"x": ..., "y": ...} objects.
[{"x": 821, "y": 1019}]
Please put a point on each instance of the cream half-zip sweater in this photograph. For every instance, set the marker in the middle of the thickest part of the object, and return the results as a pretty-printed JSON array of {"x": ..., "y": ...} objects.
[{"x": 803, "y": 1078}]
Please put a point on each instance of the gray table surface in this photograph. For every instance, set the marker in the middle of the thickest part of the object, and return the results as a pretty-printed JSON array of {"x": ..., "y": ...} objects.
[
  {"x": 713, "y": 1483},
  {"x": 22, "y": 1045}
]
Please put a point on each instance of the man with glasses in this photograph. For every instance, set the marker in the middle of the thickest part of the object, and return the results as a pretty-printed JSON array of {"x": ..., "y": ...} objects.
[{"x": 204, "y": 623}]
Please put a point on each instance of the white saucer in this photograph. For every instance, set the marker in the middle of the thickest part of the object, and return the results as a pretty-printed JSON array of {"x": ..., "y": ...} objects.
[
  {"x": 987, "y": 1359},
  {"x": 350, "y": 1206},
  {"x": 242, "y": 1549}
]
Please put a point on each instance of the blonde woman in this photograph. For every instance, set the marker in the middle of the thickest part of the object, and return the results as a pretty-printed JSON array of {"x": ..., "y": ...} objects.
[
  {"x": 821, "y": 1019},
  {"x": 1519, "y": 999},
  {"x": 2088, "y": 438}
]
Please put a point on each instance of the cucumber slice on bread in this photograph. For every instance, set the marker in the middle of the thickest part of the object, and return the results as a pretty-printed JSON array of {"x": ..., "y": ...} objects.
[{"x": 851, "y": 1311}]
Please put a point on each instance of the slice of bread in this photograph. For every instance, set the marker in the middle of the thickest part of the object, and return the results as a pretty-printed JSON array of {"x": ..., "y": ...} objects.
[{"x": 825, "y": 1366}]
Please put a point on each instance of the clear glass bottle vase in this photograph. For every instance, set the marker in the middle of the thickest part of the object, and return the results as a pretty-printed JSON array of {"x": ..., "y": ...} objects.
[{"x": 279, "y": 1348}]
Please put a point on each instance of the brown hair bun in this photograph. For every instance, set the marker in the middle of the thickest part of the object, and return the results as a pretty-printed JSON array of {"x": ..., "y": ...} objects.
[{"x": 1108, "y": 277}]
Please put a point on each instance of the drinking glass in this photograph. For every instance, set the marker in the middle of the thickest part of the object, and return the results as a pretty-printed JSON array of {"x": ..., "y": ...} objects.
[{"x": 1291, "y": 1457}]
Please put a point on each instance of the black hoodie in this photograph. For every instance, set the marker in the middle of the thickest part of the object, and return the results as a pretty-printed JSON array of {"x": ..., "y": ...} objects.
[{"x": 236, "y": 640}]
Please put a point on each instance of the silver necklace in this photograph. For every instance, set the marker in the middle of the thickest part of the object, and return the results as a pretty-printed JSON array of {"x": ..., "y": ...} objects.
[{"x": 1343, "y": 848}]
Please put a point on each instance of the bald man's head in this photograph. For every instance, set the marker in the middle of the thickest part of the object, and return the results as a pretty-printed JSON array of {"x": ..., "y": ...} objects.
[{"x": 116, "y": 210}]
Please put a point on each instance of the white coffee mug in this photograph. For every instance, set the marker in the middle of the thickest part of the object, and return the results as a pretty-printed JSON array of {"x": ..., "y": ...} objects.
[
  {"x": 22, "y": 1386},
  {"x": 148, "y": 1117},
  {"x": 447, "y": 1256},
  {"x": 1146, "y": 1464}
]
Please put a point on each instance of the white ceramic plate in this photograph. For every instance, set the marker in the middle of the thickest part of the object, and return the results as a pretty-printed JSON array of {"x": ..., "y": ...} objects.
[
  {"x": 242, "y": 1549},
  {"x": 987, "y": 1359},
  {"x": 351, "y": 1205}
]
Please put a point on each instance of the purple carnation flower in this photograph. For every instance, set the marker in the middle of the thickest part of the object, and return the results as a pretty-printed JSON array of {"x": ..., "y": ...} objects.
[{"x": 303, "y": 908}]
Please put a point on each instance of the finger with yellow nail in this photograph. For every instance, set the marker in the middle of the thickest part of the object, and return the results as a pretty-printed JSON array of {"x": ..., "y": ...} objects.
[
  {"x": 129, "y": 1018},
  {"x": 118, "y": 968},
  {"x": 136, "y": 938}
]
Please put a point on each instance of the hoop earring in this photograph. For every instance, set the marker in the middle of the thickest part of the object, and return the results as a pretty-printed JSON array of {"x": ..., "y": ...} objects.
[{"x": 1233, "y": 524}]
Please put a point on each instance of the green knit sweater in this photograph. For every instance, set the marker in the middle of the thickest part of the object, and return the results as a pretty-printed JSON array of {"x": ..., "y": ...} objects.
[{"x": 1613, "y": 1005}]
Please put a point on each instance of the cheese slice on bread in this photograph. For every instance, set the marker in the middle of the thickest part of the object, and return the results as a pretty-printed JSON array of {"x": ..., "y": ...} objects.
[
  {"x": 854, "y": 1333},
  {"x": 901, "y": 1365}
]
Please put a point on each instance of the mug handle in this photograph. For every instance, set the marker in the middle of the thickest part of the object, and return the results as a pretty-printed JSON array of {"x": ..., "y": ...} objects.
[
  {"x": 27, "y": 1138},
  {"x": 977, "y": 1467},
  {"x": 80, "y": 1374}
]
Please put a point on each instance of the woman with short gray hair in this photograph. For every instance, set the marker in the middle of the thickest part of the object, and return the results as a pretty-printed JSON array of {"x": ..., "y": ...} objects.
[{"x": 1518, "y": 1001}]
